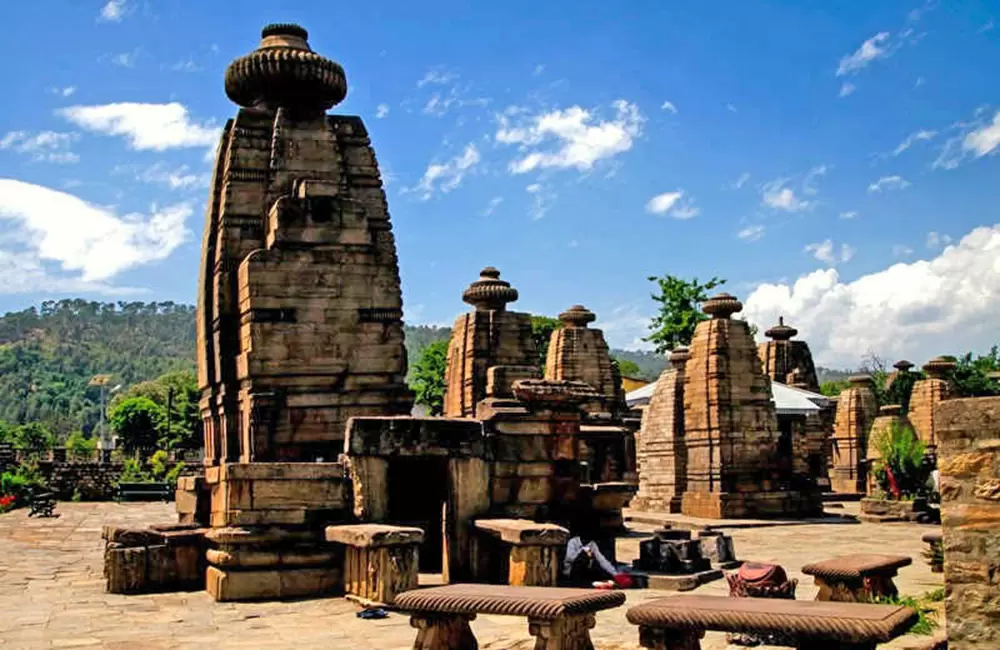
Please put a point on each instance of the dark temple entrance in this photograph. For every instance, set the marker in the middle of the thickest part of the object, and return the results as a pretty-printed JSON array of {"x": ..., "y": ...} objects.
[{"x": 418, "y": 490}]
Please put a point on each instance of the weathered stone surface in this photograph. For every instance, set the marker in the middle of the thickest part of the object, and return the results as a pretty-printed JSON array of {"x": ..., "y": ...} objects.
[
  {"x": 229, "y": 585},
  {"x": 968, "y": 437},
  {"x": 856, "y": 411},
  {"x": 373, "y": 535},
  {"x": 730, "y": 430},
  {"x": 925, "y": 397},
  {"x": 487, "y": 337},
  {"x": 787, "y": 361},
  {"x": 299, "y": 270},
  {"x": 660, "y": 452},
  {"x": 524, "y": 532}
]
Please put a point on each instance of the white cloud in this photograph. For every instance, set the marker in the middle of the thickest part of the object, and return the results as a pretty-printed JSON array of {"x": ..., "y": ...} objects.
[
  {"x": 826, "y": 251},
  {"x": 154, "y": 127},
  {"x": 573, "y": 243},
  {"x": 913, "y": 138},
  {"x": 33, "y": 277},
  {"x": 382, "y": 111},
  {"x": 874, "y": 48},
  {"x": 44, "y": 146},
  {"x": 436, "y": 76},
  {"x": 88, "y": 239},
  {"x": 542, "y": 200},
  {"x": 492, "y": 207},
  {"x": 847, "y": 88},
  {"x": 888, "y": 183},
  {"x": 187, "y": 65},
  {"x": 669, "y": 106},
  {"x": 751, "y": 233},
  {"x": 673, "y": 204},
  {"x": 978, "y": 138},
  {"x": 577, "y": 140},
  {"x": 810, "y": 178},
  {"x": 439, "y": 104},
  {"x": 731, "y": 108},
  {"x": 741, "y": 181},
  {"x": 988, "y": 26},
  {"x": 126, "y": 59},
  {"x": 539, "y": 69},
  {"x": 444, "y": 177},
  {"x": 179, "y": 178},
  {"x": 899, "y": 250},
  {"x": 625, "y": 327},
  {"x": 778, "y": 196},
  {"x": 919, "y": 82},
  {"x": 945, "y": 305},
  {"x": 113, "y": 11},
  {"x": 937, "y": 240},
  {"x": 63, "y": 92}
]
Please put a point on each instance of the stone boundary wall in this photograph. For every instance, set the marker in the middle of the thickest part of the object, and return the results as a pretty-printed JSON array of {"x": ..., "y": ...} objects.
[{"x": 94, "y": 481}]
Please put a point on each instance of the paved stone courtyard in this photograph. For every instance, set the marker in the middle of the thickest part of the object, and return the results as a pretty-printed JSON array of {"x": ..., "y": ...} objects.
[{"x": 52, "y": 590}]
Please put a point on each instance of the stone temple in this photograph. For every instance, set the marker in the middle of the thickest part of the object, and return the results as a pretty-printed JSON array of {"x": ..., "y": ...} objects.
[
  {"x": 299, "y": 305},
  {"x": 316, "y": 479}
]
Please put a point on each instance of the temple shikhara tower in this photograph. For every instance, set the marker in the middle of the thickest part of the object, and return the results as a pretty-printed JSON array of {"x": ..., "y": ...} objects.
[
  {"x": 299, "y": 320},
  {"x": 787, "y": 361}
]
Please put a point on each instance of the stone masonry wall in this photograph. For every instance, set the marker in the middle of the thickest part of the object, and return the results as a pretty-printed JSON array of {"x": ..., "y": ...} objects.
[{"x": 969, "y": 465}]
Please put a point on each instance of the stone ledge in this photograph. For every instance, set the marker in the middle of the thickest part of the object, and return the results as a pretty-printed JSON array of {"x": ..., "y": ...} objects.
[
  {"x": 523, "y": 532},
  {"x": 372, "y": 535}
]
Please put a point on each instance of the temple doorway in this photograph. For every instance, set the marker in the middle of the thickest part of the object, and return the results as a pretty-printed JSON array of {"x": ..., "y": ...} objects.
[{"x": 417, "y": 494}]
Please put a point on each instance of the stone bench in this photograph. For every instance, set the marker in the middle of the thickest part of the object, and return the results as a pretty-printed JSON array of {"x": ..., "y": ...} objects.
[
  {"x": 935, "y": 551},
  {"x": 380, "y": 561},
  {"x": 517, "y": 552},
  {"x": 559, "y": 619},
  {"x": 679, "y": 623},
  {"x": 862, "y": 577}
]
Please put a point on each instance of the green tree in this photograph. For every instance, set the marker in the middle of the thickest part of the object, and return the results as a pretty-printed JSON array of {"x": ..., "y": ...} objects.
[
  {"x": 541, "y": 330},
  {"x": 628, "y": 368},
  {"x": 80, "y": 447},
  {"x": 179, "y": 392},
  {"x": 138, "y": 421},
  {"x": 679, "y": 310},
  {"x": 971, "y": 375},
  {"x": 428, "y": 377},
  {"x": 33, "y": 436},
  {"x": 833, "y": 388}
]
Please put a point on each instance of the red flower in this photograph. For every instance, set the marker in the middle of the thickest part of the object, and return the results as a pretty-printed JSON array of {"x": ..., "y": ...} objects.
[{"x": 7, "y": 500}]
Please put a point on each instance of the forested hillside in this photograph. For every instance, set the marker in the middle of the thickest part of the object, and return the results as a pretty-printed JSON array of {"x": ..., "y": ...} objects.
[{"x": 49, "y": 354}]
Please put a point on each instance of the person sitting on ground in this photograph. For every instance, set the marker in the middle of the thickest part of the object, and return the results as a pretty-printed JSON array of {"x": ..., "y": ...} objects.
[{"x": 585, "y": 566}]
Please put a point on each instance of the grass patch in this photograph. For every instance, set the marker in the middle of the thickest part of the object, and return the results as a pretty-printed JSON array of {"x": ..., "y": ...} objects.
[{"x": 925, "y": 624}]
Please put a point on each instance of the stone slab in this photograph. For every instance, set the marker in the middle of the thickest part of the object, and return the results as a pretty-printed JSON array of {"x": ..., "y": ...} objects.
[
  {"x": 524, "y": 532},
  {"x": 369, "y": 535},
  {"x": 227, "y": 585}
]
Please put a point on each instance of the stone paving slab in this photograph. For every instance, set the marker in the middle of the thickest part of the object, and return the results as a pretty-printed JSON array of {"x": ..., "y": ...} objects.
[{"x": 52, "y": 591}]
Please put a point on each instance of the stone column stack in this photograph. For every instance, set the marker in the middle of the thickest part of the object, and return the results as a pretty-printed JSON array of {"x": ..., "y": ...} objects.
[
  {"x": 730, "y": 430},
  {"x": 662, "y": 457},
  {"x": 925, "y": 397},
  {"x": 488, "y": 337},
  {"x": 968, "y": 433},
  {"x": 299, "y": 319},
  {"x": 856, "y": 410},
  {"x": 787, "y": 361}
]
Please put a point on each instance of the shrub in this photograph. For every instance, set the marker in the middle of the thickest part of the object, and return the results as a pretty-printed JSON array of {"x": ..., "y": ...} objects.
[
  {"x": 901, "y": 472},
  {"x": 16, "y": 485}
]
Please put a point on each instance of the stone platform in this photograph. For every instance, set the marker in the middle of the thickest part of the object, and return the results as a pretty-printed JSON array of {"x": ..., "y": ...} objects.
[{"x": 53, "y": 591}]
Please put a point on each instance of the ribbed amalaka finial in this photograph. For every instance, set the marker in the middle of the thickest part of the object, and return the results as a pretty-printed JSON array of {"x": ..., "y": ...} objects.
[
  {"x": 489, "y": 292},
  {"x": 781, "y": 332},
  {"x": 721, "y": 305},
  {"x": 577, "y": 316},
  {"x": 284, "y": 72},
  {"x": 939, "y": 367}
]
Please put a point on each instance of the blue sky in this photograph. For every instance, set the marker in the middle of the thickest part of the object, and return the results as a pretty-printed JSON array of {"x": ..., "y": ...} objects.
[{"x": 836, "y": 164}]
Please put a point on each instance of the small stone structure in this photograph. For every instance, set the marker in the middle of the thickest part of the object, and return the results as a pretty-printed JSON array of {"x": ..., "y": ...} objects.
[
  {"x": 518, "y": 552},
  {"x": 487, "y": 337},
  {"x": 379, "y": 561},
  {"x": 968, "y": 436},
  {"x": 579, "y": 353},
  {"x": 660, "y": 453},
  {"x": 730, "y": 430},
  {"x": 856, "y": 411},
  {"x": 787, "y": 361},
  {"x": 680, "y": 563},
  {"x": 859, "y": 578},
  {"x": 926, "y": 394}
]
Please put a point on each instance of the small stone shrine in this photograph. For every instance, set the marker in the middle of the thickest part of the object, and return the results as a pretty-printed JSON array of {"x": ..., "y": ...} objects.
[
  {"x": 661, "y": 455},
  {"x": 856, "y": 411},
  {"x": 730, "y": 430},
  {"x": 579, "y": 353},
  {"x": 787, "y": 361},
  {"x": 487, "y": 337},
  {"x": 927, "y": 393},
  {"x": 679, "y": 563}
]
